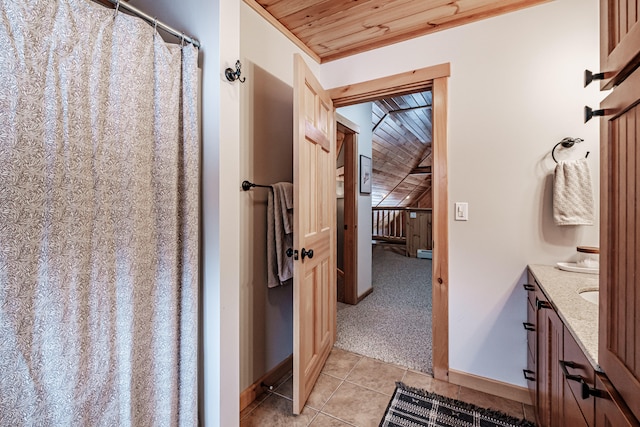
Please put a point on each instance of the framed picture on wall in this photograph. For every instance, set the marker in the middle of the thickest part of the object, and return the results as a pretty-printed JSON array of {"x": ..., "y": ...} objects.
[{"x": 365, "y": 174}]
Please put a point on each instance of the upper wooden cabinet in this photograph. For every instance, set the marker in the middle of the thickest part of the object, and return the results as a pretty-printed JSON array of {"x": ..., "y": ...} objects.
[
  {"x": 619, "y": 335},
  {"x": 619, "y": 40},
  {"x": 619, "y": 343}
]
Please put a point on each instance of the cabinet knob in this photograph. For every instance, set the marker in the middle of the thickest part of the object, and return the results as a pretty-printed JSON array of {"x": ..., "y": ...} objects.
[
  {"x": 529, "y": 375},
  {"x": 589, "y": 77},
  {"x": 589, "y": 113},
  {"x": 529, "y": 287},
  {"x": 542, "y": 304},
  {"x": 529, "y": 326}
]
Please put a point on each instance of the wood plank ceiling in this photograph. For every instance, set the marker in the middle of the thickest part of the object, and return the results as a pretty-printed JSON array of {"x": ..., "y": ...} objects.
[
  {"x": 402, "y": 157},
  {"x": 332, "y": 29}
]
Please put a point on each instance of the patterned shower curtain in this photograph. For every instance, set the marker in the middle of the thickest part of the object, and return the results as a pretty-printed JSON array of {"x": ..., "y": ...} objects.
[{"x": 99, "y": 207}]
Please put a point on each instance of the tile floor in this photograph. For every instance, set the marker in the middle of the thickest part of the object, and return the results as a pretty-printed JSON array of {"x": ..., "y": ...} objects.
[{"x": 353, "y": 390}]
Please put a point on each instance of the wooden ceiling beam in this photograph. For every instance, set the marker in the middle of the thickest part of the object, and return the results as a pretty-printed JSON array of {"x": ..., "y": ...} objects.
[{"x": 421, "y": 170}]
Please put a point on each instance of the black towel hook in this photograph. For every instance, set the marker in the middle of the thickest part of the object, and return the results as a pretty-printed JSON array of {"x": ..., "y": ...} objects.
[{"x": 567, "y": 142}]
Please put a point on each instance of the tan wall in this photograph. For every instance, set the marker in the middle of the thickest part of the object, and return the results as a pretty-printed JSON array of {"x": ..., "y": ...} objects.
[
  {"x": 266, "y": 157},
  {"x": 266, "y": 148}
]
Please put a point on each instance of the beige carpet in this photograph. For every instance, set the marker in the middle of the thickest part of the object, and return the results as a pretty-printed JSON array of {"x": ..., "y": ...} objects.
[{"x": 393, "y": 324}]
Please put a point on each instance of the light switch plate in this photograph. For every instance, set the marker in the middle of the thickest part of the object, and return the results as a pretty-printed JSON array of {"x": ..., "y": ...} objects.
[
  {"x": 462, "y": 211},
  {"x": 413, "y": 215}
]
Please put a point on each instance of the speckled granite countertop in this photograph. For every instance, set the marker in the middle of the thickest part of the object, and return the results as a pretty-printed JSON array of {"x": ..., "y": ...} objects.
[{"x": 579, "y": 316}]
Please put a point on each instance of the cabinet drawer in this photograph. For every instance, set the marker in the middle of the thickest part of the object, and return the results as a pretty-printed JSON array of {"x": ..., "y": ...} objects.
[{"x": 579, "y": 376}]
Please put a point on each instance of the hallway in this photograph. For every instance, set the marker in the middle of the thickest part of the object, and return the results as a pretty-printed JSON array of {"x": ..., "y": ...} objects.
[{"x": 392, "y": 324}]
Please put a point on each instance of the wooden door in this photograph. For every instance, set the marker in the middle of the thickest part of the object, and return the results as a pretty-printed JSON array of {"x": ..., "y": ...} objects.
[
  {"x": 619, "y": 338},
  {"x": 619, "y": 39},
  {"x": 314, "y": 277}
]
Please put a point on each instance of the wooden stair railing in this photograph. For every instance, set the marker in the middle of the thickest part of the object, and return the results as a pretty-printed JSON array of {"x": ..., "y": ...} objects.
[{"x": 388, "y": 224}]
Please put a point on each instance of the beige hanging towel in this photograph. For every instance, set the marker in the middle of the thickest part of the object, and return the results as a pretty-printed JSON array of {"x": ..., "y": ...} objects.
[
  {"x": 279, "y": 234},
  {"x": 573, "y": 194}
]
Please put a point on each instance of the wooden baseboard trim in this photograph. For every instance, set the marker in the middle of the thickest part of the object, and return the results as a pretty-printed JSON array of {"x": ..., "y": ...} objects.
[
  {"x": 254, "y": 390},
  {"x": 366, "y": 294},
  {"x": 487, "y": 385}
]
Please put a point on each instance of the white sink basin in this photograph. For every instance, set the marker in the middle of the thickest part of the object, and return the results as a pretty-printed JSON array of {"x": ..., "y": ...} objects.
[{"x": 590, "y": 295}]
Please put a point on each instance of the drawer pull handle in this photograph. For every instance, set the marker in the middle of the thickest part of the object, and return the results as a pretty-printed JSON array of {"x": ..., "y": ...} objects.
[
  {"x": 587, "y": 391},
  {"x": 590, "y": 113},
  {"x": 529, "y": 326},
  {"x": 529, "y": 375},
  {"x": 589, "y": 77},
  {"x": 528, "y": 287},
  {"x": 564, "y": 364},
  {"x": 542, "y": 304}
]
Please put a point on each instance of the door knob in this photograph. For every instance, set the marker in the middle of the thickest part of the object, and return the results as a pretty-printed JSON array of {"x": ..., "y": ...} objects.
[
  {"x": 306, "y": 253},
  {"x": 291, "y": 253}
]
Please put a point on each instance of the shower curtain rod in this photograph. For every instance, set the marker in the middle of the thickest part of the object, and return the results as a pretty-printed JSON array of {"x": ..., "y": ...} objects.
[{"x": 153, "y": 21}]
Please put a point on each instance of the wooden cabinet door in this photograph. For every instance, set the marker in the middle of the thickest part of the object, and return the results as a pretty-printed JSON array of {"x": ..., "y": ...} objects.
[
  {"x": 548, "y": 374},
  {"x": 579, "y": 372},
  {"x": 619, "y": 336},
  {"x": 611, "y": 411},
  {"x": 619, "y": 39},
  {"x": 572, "y": 416}
]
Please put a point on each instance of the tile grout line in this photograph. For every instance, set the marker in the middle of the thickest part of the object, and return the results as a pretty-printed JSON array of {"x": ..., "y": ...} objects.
[{"x": 342, "y": 381}]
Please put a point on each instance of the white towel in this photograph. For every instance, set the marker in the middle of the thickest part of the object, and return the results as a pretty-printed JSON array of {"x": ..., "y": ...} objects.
[
  {"x": 572, "y": 193},
  {"x": 279, "y": 234}
]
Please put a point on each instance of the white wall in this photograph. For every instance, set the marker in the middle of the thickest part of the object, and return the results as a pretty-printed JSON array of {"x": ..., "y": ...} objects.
[
  {"x": 266, "y": 47},
  {"x": 361, "y": 115},
  {"x": 216, "y": 25},
  {"x": 515, "y": 91}
]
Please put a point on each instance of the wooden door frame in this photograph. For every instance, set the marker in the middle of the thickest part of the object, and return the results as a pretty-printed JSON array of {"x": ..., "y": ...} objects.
[
  {"x": 436, "y": 79},
  {"x": 351, "y": 131}
]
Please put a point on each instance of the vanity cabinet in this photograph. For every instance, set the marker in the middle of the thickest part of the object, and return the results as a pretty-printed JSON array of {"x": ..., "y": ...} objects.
[
  {"x": 565, "y": 388},
  {"x": 550, "y": 352},
  {"x": 557, "y": 371},
  {"x": 619, "y": 323}
]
